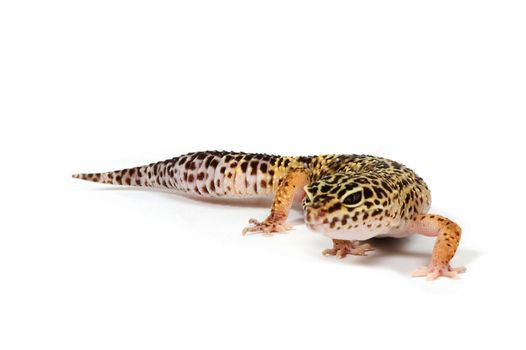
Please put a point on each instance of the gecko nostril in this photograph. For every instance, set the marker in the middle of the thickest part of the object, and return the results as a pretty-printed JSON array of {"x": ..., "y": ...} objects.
[{"x": 322, "y": 213}]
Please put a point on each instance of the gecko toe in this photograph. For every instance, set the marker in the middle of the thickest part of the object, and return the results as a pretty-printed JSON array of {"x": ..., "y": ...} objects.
[
  {"x": 267, "y": 227},
  {"x": 435, "y": 271},
  {"x": 343, "y": 248}
]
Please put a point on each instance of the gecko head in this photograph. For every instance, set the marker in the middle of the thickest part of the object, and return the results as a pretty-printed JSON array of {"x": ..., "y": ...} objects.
[{"x": 338, "y": 202}]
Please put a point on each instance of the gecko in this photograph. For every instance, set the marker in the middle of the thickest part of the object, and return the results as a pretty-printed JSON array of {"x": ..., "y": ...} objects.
[{"x": 347, "y": 198}]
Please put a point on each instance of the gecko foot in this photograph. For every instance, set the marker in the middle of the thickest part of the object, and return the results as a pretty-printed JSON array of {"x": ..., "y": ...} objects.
[
  {"x": 434, "y": 271},
  {"x": 267, "y": 227},
  {"x": 342, "y": 248}
]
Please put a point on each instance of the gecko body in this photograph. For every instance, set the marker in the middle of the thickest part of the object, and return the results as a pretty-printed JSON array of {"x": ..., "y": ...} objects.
[{"x": 348, "y": 198}]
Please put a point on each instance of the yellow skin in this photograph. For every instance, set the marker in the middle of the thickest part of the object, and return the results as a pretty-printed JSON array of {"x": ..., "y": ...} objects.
[{"x": 348, "y": 198}]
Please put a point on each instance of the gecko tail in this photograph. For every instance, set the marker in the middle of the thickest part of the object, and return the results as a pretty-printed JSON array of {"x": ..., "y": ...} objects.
[
  {"x": 93, "y": 177},
  {"x": 137, "y": 176},
  {"x": 208, "y": 174}
]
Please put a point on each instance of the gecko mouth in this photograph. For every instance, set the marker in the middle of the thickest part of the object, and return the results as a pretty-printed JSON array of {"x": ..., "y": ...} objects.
[{"x": 320, "y": 228}]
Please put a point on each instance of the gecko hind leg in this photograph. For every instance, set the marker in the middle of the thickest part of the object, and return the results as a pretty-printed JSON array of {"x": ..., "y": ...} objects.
[{"x": 341, "y": 248}]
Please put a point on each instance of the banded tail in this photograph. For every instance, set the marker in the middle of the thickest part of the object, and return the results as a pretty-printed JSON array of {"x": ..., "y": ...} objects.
[{"x": 211, "y": 174}]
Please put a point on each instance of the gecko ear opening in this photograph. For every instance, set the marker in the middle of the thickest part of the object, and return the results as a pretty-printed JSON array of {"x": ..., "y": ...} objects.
[{"x": 307, "y": 192}]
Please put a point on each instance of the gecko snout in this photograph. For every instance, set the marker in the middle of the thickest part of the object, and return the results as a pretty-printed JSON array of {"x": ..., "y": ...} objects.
[{"x": 316, "y": 214}]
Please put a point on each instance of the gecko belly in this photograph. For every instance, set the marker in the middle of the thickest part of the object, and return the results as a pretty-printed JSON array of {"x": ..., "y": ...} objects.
[{"x": 358, "y": 234}]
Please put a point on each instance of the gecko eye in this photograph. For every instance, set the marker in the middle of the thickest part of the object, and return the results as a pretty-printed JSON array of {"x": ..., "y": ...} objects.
[{"x": 353, "y": 199}]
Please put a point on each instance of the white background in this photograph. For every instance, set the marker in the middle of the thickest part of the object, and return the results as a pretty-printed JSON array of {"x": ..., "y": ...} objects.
[{"x": 101, "y": 85}]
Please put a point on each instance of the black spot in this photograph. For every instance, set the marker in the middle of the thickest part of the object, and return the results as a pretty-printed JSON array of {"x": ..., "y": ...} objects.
[
  {"x": 244, "y": 166},
  {"x": 379, "y": 192},
  {"x": 382, "y": 165},
  {"x": 397, "y": 165},
  {"x": 376, "y": 212},
  {"x": 254, "y": 166},
  {"x": 334, "y": 207},
  {"x": 334, "y": 189},
  {"x": 304, "y": 159},
  {"x": 367, "y": 193},
  {"x": 207, "y": 161},
  {"x": 386, "y": 186},
  {"x": 263, "y": 167},
  {"x": 351, "y": 186},
  {"x": 325, "y": 188}
]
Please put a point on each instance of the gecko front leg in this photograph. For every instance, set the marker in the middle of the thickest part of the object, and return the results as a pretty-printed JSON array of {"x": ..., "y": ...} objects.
[
  {"x": 448, "y": 237},
  {"x": 293, "y": 182},
  {"x": 343, "y": 247}
]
